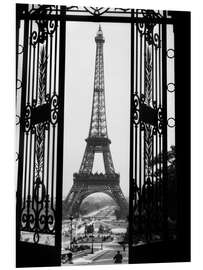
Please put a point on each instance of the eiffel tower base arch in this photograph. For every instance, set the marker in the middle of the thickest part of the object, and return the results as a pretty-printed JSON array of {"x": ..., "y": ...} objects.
[{"x": 85, "y": 185}]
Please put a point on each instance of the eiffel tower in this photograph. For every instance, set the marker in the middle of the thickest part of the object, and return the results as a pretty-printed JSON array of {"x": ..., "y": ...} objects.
[{"x": 85, "y": 182}]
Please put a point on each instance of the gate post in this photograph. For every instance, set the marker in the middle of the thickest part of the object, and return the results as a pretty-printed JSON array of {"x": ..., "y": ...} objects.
[
  {"x": 182, "y": 108},
  {"x": 59, "y": 177}
]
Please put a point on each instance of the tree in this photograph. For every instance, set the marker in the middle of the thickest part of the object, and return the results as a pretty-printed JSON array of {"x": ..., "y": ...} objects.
[
  {"x": 101, "y": 229},
  {"x": 89, "y": 228},
  {"x": 117, "y": 213},
  {"x": 149, "y": 207},
  {"x": 172, "y": 180}
]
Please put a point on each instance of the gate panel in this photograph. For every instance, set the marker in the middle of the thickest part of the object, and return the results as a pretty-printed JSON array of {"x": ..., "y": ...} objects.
[
  {"x": 149, "y": 129},
  {"x": 158, "y": 174},
  {"x": 39, "y": 191}
]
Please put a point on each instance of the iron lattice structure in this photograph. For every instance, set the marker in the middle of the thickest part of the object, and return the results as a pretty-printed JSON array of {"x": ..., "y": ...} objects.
[{"x": 85, "y": 182}]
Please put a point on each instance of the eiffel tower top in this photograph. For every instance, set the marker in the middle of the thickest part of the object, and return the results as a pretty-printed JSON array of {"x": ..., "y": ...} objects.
[
  {"x": 99, "y": 37},
  {"x": 98, "y": 125}
]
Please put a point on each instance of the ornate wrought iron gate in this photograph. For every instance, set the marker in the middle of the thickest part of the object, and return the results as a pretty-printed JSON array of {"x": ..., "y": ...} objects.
[
  {"x": 149, "y": 129},
  {"x": 40, "y": 164},
  {"x": 40, "y": 87}
]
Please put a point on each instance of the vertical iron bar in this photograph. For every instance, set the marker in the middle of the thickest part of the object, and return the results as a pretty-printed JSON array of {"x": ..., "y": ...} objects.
[
  {"x": 160, "y": 136},
  {"x": 36, "y": 97},
  {"x": 53, "y": 166},
  {"x": 140, "y": 140},
  {"x": 59, "y": 176},
  {"x": 50, "y": 66},
  {"x": 33, "y": 73},
  {"x": 21, "y": 137},
  {"x": 29, "y": 68},
  {"x": 156, "y": 78},
  {"x": 55, "y": 56},
  {"x": 135, "y": 129},
  {"x": 18, "y": 22},
  {"x": 165, "y": 172},
  {"x": 152, "y": 72},
  {"x": 48, "y": 130},
  {"x": 160, "y": 99},
  {"x": 33, "y": 180},
  {"x": 132, "y": 147},
  {"x": 144, "y": 135},
  {"x": 30, "y": 169},
  {"x": 25, "y": 170}
]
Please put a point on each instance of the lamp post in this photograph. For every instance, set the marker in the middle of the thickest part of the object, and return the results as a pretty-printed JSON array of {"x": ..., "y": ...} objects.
[
  {"x": 92, "y": 238},
  {"x": 71, "y": 232},
  {"x": 102, "y": 243}
]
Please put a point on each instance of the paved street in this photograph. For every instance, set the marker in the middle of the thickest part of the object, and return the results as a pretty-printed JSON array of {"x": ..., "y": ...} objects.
[
  {"x": 107, "y": 258},
  {"x": 101, "y": 256}
]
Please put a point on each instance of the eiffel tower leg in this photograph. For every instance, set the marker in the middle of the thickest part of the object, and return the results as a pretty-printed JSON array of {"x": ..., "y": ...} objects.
[
  {"x": 72, "y": 202},
  {"x": 88, "y": 159},
  {"x": 120, "y": 200},
  {"x": 108, "y": 162}
]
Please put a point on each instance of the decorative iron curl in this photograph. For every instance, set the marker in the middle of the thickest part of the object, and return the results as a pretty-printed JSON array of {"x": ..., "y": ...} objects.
[
  {"x": 170, "y": 87},
  {"x": 170, "y": 53},
  {"x": 18, "y": 84},
  {"x": 154, "y": 130},
  {"x": 28, "y": 112},
  {"x": 156, "y": 40},
  {"x": 147, "y": 28},
  {"x": 136, "y": 109},
  {"x": 36, "y": 237},
  {"x": 27, "y": 219},
  {"x": 142, "y": 98},
  {"x": 45, "y": 28},
  {"x": 141, "y": 28},
  {"x": 33, "y": 129},
  {"x": 52, "y": 25},
  {"x": 54, "y": 109},
  {"x": 21, "y": 49},
  {"x": 51, "y": 220},
  {"x": 46, "y": 220},
  {"x": 171, "y": 122},
  {"x": 46, "y": 125},
  {"x": 47, "y": 98},
  {"x": 96, "y": 11},
  {"x": 124, "y": 10},
  {"x": 17, "y": 156},
  {"x": 72, "y": 8},
  {"x": 17, "y": 120},
  {"x": 28, "y": 216},
  {"x": 142, "y": 126},
  {"x": 160, "y": 120},
  {"x": 34, "y": 38},
  {"x": 42, "y": 9}
]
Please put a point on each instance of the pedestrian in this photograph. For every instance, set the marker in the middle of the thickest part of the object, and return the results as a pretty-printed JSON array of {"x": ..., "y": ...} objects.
[
  {"x": 123, "y": 246},
  {"x": 70, "y": 258},
  {"x": 118, "y": 257}
]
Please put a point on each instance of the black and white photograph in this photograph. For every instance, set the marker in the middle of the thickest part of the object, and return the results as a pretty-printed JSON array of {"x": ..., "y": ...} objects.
[{"x": 102, "y": 142}]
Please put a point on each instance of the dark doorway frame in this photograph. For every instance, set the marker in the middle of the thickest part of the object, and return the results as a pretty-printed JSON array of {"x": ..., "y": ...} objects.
[{"x": 28, "y": 254}]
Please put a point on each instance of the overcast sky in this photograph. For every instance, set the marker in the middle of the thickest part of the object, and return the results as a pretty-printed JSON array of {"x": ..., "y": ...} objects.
[{"x": 80, "y": 65}]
